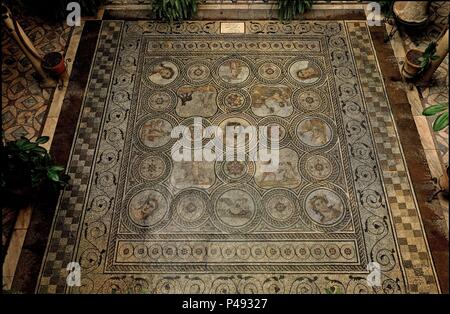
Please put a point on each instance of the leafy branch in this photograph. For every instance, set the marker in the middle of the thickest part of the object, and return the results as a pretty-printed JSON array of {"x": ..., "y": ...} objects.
[
  {"x": 27, "y": 164},
  {"x": 289, "y": 9},
  {"x": 441, "y": 110},
  {"x": 174, "y": 10},
  {"x": 428, "y": 56}
]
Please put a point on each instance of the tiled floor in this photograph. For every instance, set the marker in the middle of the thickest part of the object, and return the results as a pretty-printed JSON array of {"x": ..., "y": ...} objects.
[
  {"x": 438, "y": 89},
  {"x": 435, "y": 144},
  {"x": 24, "y": 103}
]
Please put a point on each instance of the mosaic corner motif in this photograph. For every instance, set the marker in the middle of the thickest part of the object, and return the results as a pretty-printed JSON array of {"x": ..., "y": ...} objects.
[{"x": 136, "y": 220}]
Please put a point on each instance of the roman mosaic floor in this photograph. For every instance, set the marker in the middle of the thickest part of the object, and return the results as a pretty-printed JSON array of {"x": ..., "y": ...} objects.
[{"x": 136, "y": 220}]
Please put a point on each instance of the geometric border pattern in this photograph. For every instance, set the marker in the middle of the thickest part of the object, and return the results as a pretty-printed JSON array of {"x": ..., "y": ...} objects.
[
  {"x": 65, "y": 226},
  {"x": 416, "y": 259}
]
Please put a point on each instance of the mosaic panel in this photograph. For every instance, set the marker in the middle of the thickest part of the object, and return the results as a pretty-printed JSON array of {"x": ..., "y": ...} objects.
[{"x": 137, "y": 220}]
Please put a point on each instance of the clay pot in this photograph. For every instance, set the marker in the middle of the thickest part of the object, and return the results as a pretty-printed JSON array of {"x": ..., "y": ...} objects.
[
  {"x": 16, "y": 197},
  {"x": 411, "y": 12},
  {"x": 53, "y": 63},
  {"x": 412, "y": 64}
]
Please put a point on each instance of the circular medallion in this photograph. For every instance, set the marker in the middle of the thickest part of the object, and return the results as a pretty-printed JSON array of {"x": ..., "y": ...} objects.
[
  {"x": 237, "y": 125},
  {"x": 313, "y": 132},
  {"x": 270, "y": 72},
  {"x": 305, "y": 72},
  {"x": 258, "y": 251},
  {"x": 271, "y": 123},
  {"x": 228, "y": 251},
  {"x": 234, "y": 71},
  {"x": 214, "y": 251},
  {"x": 235, "y": 209},
  {"x": 198, "y": 72},
  {"x": 161, "y": 72},
  {"x": 308, "y": 101},
  {"x": 198, "y": 251},
  {"x": 170, "y": 252},
  {"x": 155, "y": 132},
  {"x": 287, "y": 251},
  {"x": 235, "y": 169},
  {"x": 243, "y": 251},
  {"x": 151, "y": 168},
  {"x": 332, "y": 251},
  {"x": 155, "y": 251},
  {"x": 160, "y": 101},
  {"x": 140, "y": 251},
  {"x": 317, "y": 251},
  {"x": 147, "y": 208},
  {"x": 233, "y": 100},
  {"x": 272, "y": 251},
  {"x": 324, "y": 207},
  {"x": 184, "y": 251},
  {"x": 190, "y": 208},
  {"x": 280, "y": 208},
  {"x": 348, "y": 251},
  {"x": 125, "y": 250},
  {"x": 317, "y": 167},
  {"x": 302, "y": 251}
]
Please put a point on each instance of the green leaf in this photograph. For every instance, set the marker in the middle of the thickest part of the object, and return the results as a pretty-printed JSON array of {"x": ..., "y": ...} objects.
[
  {"x": 42, "y": 139},
  {"x": 21, "y": 142},
  {"x": 57, "y": 168},
  {"x": 289, "y": 9},
  {"x": 431, "y": 48},
  {"x": 441, "y": 122},
  {"x": 29, "y": 146},
  {"x": 53, "y": 176},
  {"x": 432, "y": 110}
]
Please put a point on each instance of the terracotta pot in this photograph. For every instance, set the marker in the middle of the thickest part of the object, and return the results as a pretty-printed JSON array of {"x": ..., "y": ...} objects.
[
  {"x": 412, "y": 65},
  {"x": 412, "y": 13},
  {"x": 16, "y": 198},
  {"x": 53, "y": 63}
]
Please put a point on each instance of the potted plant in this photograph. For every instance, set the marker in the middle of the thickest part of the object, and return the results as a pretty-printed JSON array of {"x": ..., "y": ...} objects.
[
  {"x": 27, "y": 170},
  {"x": 417, "y": 61},
  {"x": 53, "y": 63},
  {"x": 174, "y": 10},
  {"x": 441, "y": 122},
  {"x": 289, "y": 9}
]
